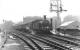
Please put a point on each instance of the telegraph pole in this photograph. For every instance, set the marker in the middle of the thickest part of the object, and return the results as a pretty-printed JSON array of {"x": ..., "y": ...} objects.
[{"x": 56, "y": 6}]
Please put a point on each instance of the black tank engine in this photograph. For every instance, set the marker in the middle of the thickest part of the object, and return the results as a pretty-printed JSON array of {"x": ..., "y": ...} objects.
[{"x": 41, "y": 25}]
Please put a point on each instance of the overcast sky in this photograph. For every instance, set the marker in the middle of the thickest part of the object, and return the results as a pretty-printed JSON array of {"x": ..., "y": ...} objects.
[{"x": 15, "y": 9}]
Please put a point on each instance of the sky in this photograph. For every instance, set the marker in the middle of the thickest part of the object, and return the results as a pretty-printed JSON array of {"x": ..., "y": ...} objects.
[{"x": 15, "y": 10}]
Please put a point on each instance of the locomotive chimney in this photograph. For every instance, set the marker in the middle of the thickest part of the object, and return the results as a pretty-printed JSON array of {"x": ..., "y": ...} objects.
[{"x": 44, "y": 17}]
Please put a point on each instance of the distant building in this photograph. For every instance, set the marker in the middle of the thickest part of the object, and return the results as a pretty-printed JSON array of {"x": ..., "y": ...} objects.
[
  {"x": 72, "y": 29},
  {"x": 30, "y": 18}
]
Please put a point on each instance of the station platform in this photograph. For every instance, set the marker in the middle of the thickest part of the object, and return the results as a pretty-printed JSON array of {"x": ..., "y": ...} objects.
[{"x": 11, "y": 44}]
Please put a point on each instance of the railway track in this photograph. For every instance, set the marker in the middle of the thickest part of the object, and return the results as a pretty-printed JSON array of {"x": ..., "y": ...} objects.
[
  {"x": 68, "y": 38},
  {"x": 68, "y": 41},
  {"x": 36, "y": 40},
  {"x": 63, "y": 41},
  {"x": 36, "y": 46},
  {"x": 50, "y": 43},
  {"x": 57, "y": 42},
  {"x": 27, "y": 43}
]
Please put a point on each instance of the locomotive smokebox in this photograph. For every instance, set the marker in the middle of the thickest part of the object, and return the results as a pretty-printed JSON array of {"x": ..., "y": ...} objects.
[{"x": 44, "y": 17}]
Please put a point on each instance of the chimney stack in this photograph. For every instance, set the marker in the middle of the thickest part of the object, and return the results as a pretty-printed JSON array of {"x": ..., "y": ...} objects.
[{"x": 44, "y": 17}]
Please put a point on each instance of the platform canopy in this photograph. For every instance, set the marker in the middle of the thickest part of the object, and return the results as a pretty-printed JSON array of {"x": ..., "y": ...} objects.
[
  {"x": 70, "y": 25},
  {"x": 66, "y": 23}
]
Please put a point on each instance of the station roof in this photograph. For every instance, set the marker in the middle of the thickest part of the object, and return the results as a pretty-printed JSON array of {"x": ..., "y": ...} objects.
[{"x": 70, "y": 25}]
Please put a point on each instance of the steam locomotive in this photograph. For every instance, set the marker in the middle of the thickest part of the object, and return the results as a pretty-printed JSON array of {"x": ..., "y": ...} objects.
[
  {"x": 41, "y": 25},
  {"x": 37, "y": 25}
]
